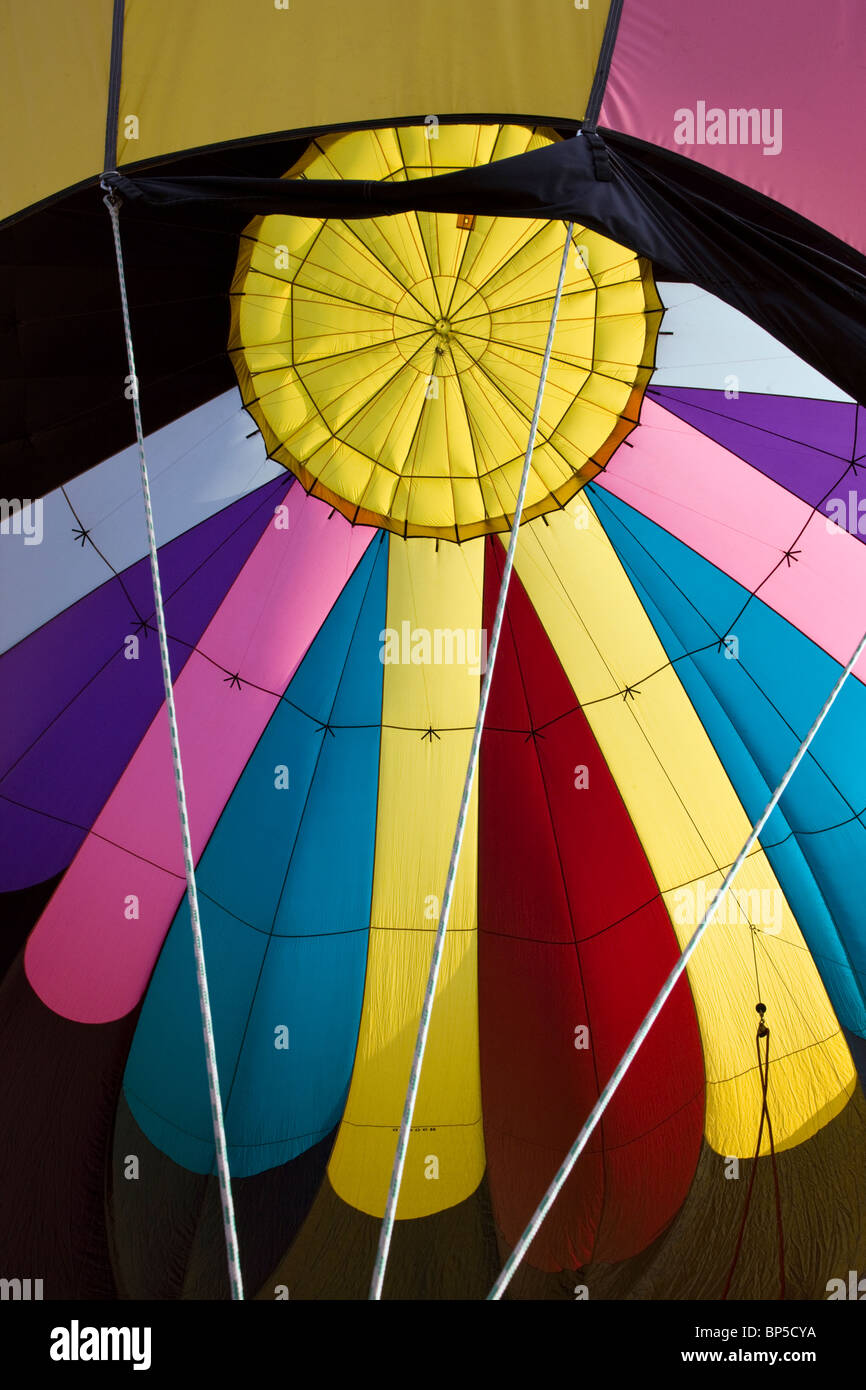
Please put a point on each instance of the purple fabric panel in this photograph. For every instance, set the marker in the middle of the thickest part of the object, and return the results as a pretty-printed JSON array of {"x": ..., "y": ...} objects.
[
  {"x": 805, "y": 445},
  {"x": 76, "y": 708}
]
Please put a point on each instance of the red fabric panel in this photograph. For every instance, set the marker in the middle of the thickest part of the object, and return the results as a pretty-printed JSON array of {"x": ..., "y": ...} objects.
[{"x": 572, "y": 934}]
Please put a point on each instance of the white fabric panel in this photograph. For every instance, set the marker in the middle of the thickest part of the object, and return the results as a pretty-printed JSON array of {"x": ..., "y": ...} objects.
[
  {"x": 711, "y": 341},
  {"x": 198, "y": 465}
]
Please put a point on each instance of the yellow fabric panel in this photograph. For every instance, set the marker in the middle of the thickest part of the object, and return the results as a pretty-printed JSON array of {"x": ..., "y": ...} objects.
[
  {"x": 54, "y": 62},
  {"x": 692, "y": 825},
  {"x": 200, "y": 74},
  {"x": 392, "y": 363},
  {"x": 420, "y": 784}
]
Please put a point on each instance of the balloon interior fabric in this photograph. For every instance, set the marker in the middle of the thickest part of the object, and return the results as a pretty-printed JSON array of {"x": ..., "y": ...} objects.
[{"x": 341, "y": 331}]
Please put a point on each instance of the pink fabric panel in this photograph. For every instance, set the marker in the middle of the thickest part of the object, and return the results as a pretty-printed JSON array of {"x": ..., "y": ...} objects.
[
  {"x": 806, "y": 60},
  {"x": 743, "y": 522},
  {"x": 89, "y": 956}
]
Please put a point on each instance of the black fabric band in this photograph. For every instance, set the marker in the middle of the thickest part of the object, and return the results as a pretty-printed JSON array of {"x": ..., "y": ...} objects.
[
  {"x": 114, "y": 73},
  {"x": 804, "y": 286}
]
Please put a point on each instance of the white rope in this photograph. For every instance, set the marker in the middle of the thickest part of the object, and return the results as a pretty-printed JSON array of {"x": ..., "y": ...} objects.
[
  {"x": 112, "y": 202},
  {"x": 628, "y": 1056},
  {"x": 439, "y": 944}
]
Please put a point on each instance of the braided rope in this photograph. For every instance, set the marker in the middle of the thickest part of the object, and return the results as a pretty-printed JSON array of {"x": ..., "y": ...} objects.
[
  {"x": 112, "y": 202},
  {"x": 667, "y": 988},
  {"x": 439, "y": 944}
]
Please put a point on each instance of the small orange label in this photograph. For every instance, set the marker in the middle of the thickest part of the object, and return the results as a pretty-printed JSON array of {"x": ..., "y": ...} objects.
[{"x": 466, "y": 221}]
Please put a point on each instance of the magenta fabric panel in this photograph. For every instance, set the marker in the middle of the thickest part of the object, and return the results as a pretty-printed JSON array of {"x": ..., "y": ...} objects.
[
  {"x": 91, "y": 954},
  {"x": 801, "y": 68}
]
